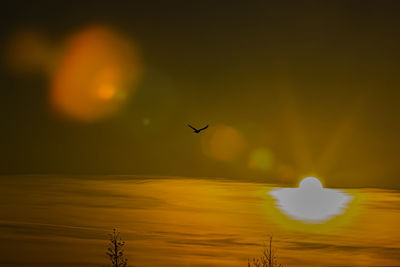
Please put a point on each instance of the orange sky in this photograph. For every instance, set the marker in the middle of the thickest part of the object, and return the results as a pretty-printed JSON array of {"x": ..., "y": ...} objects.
[{"x": 288, "y": 89}]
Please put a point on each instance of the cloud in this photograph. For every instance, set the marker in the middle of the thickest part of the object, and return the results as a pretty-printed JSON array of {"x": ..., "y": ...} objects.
[{"x": 387, "y": 252}]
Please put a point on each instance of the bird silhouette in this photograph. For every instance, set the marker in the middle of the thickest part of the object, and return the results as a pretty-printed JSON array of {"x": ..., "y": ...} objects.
[{"x": 198, "y": 130}]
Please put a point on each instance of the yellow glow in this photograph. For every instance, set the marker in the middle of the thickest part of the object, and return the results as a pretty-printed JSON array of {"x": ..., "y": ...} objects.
[
  {"x": 261, "y": 159},
  {"x": 96, "y": 75},
  {"x": 146, "y": 121},
  {"x": 224, "y": 143}
]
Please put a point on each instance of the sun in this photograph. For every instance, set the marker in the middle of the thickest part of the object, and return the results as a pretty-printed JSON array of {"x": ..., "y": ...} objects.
[
  {"x": 310, "y": 183},
  {"x": 311, "y": 202}
]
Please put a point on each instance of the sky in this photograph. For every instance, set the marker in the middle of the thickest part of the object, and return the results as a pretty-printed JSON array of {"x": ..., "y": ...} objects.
[{"x": 289, "y": 89}]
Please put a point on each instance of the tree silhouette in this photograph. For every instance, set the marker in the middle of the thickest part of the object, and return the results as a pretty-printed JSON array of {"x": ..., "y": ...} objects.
[
  {"x": 115, "y": 250},
  {"x": 267, "y": 259}
]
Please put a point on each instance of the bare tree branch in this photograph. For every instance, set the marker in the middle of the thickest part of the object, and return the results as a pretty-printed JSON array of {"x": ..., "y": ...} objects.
[
  {"x": 115, "y": 250},
  {"x": 267, "y": 259}
]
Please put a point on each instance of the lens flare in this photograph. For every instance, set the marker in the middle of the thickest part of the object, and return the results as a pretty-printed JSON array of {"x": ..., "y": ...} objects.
[
  {"x": 106, "y": 91},
  {"x": 261, "y": 159},
  {"x": 286, "y": 174},
  {"x": 96, "y": 75},
  {"x": 224, "y": 143}
]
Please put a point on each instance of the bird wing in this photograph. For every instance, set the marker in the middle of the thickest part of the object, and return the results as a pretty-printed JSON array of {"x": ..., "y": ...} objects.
[
  {"x": 203, "y": 128},
  {"x": 192, "y": 127}
]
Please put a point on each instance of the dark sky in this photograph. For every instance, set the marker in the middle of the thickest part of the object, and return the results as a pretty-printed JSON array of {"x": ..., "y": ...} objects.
[{"x": 315, "y": 84}]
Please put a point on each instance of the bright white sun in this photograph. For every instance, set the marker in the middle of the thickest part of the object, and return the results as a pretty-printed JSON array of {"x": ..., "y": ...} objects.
[
  {"x": 310, "y": 183},
  {"x": 310, "y": 202}
]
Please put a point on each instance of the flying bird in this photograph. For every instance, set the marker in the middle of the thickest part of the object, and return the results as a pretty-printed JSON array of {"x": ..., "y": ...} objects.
[{"x": 199, "y": 130}]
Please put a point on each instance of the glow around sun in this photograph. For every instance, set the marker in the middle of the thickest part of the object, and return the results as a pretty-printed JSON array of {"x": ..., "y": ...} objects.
[{"x": 310, "y": 202}]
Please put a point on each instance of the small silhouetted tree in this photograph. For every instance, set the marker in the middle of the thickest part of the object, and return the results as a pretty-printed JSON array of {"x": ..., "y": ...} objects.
[
  {"x": 267, "y": 259},
  {"x": 115, "y": 250}
]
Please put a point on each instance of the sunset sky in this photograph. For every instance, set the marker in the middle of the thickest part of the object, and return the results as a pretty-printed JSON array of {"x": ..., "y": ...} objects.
[
  {"x": 312, "y": 84},
  {"x": 96, "y": 98}
]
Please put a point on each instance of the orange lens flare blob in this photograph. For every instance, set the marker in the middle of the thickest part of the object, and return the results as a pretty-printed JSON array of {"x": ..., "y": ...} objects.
[
  {"x": 106, "y": 91},
  {"x": 224, "y": 143},
  {"x": 96, "y": 75}
]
